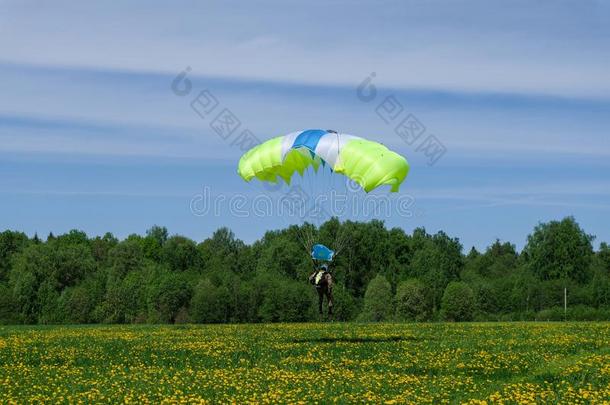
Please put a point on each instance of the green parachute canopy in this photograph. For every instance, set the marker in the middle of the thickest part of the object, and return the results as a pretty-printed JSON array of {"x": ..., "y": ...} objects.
[{"x": 368, "y": 163}]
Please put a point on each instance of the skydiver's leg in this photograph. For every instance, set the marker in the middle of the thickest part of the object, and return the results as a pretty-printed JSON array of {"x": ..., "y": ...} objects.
[
  {"x": 329, "y": 297},
  {"x": 320, "y": 299}
]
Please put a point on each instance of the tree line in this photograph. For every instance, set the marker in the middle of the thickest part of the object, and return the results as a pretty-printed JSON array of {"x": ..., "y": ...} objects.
[{"x": 382, "y": 274}]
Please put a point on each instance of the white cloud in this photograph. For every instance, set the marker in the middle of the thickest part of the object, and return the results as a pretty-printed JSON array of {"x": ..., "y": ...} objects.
[
  {"x": 568, "y": 194},
  {"x": 467, "y": 46}
]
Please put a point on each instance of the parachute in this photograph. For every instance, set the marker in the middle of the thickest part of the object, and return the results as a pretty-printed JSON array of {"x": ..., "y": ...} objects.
[
  {"x": 368, "y": 163},
  {"x": 322, "y": 253}
]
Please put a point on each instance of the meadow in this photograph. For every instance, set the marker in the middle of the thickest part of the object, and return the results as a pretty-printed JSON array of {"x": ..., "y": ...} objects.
[{"x": 292, "y": 363}]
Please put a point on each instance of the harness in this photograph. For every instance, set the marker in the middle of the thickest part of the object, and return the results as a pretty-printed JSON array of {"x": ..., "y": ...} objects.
[{"x": 317, "y": 280}]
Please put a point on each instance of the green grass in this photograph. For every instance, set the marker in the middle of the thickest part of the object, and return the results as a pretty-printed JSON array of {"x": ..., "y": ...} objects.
[{"x": 514, "y": 362}]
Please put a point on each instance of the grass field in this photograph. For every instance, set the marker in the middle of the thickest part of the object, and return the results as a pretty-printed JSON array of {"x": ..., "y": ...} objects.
[{"x": 391, "y": 363}]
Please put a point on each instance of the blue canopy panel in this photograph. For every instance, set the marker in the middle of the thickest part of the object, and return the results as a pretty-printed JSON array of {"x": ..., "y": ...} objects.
[
  {"x": 309, "y": 139},
  {"x": 321, "y": 252},
  {"x": 321, "y": 144}
]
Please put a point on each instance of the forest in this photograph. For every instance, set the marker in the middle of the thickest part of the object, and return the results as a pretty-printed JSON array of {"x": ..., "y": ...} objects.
[{"x": 381, "y": 275}]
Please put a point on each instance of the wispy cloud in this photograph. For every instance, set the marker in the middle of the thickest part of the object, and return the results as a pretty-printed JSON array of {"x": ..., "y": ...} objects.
[
  {"x": 545, "y": 47},
  {"x": 88, "y": 111},
  {"x": 589, "y": 195}
]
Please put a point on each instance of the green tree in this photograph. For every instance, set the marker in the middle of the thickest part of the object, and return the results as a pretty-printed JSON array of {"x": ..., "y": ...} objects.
[
  {"x": 604, "y": 256},
  {"x": 155, "y": 278},
  {"x": 458, "y": 302},
  {"x": 125, "y": 257},
  {"x": 180, "y": 254},
  {"x": 241, "y": 299},
  {"x": 290, "y": 304},
  {"x": 437, "y": 260},
  {"x": 169, "y": 296},
  {"x": 76, "y": 305},
  {"x": 153, "y": 242},
  {"x": 377, "y": 300},
  {"x": 600, "y": 287},
  {"x": 133, "y": 290},
  {"x": 10, "y": 244},
  {"x": 71, "y": 264},
  {"x": 367, "y": 244},
  {"x": 559, "y": 250},
  {"x": 345, "y": 307},
  {"x": 30, "y": 268},
  {"x": 48, "y": 302},
  {"x": 410, "y": 301},
  {"x": 210, "y": 303},
  {"x": 158, "y": 233},
  {"x": 9, "y": 310},
  {"x": 281, "y": 252},
  {"x": 72, "y": 238},
  {"x": 524, "y": 290},
  {"x": 101, "y": 247}
]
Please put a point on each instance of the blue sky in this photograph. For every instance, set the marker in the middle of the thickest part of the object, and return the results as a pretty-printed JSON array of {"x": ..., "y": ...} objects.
[{"x": 92, "y": 136}]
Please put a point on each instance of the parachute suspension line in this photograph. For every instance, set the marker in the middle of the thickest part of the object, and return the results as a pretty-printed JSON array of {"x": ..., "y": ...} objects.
[
  {"x": 304, "y": 229},
  {"x": 341, "y": 234},
  {"x": 310, "y": 207},
  {"x": 335, "y": 207},
  {"x": 336, "y": 241},
  {"x": 301, "y": 235},
  {"x": 307, "y": 230},
  {"x": 390, "y": 169},
  {"x": 316, "y": 200}
]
